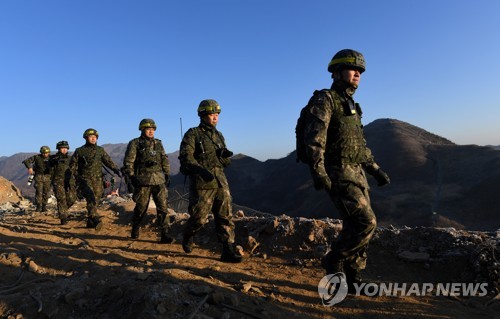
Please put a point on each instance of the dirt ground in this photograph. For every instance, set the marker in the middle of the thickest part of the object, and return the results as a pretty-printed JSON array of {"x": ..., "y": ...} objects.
[{"x": 53, "y": 271}]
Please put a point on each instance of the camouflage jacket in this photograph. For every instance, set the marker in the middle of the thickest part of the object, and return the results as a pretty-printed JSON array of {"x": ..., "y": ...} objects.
[
  {"x": 39, "y": 163},
  {"x": 60, "y": 167},
  {"x": 198, "y": 150},
  {"x": 87, "y": 161},
  {"x": 334, "y": 135},
  {"x": 146, "y": 160}
]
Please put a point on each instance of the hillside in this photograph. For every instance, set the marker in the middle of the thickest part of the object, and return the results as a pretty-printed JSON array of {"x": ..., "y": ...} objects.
[
  {"x": 434, "y": 182},
  {"x": 53, "y": 271}
]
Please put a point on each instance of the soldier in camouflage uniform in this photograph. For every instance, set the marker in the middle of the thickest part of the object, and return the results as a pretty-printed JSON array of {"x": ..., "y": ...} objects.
[
  {"x": 39, "y": 165},
  {"x": 86, "y": 165},
  {"x": 203, "y": 156},
  {"x": 66, "y": 197},
  {"x": 338, "y": 158},
  {"x": 147, "y": 167}
]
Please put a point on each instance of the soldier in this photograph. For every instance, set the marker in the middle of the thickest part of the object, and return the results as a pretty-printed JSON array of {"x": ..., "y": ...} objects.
[
  {"x": 338, "y": 158},
  {"x": 203, "y": 156},
  {"x": 39, "y": 165},
  {"x": 66, "y": 197},
  {"x": 147, "y": 167},
  {"x": 86, "y": 164}
]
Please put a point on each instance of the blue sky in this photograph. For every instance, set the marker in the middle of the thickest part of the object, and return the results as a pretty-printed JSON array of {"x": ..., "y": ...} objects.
[{"x": 66, "y": 66}]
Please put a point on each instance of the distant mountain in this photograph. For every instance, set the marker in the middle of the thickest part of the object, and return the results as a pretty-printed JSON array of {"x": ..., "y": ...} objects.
[{"x": 434, "y": 182}]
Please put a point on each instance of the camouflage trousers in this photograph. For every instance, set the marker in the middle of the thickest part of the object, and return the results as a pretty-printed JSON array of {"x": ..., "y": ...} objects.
[
  {"x": 92, "y": 190},
  {"x": 358, "y": 221},
  {"x": 42, "y": 190},
  {"x": 217, "y": 201},
  {"x": 142, "y": 196},
  {"x": 65, "y": 198}
]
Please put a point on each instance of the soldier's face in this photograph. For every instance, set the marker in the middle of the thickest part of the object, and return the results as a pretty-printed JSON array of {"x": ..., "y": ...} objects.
[
  {"x": 63, "y": 150},
  {"x": 45, "y": 154},
  {"x": 211, "y": 119},
  {"x": 92, "y": 139},
  {"x": 351, "y": 77},
  {"x": 149, "y": 132}
]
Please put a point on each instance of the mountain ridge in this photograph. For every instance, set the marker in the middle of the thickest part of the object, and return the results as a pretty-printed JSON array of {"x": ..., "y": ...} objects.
[{"x": 434, "y": 182}]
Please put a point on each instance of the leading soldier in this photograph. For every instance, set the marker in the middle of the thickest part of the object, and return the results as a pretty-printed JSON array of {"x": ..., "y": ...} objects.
[
  {"x": 147, "y": 167},
  {"x": 86, "y": 164},
  {"x": 66, "y": 196},
  {"x": 39, "y": 166},
  {"x": 338, "y": 158},
  {"x": 203, "y": 156}
]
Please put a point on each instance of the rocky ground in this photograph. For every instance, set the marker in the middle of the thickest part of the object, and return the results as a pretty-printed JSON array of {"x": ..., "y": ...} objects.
[{"x": 53, "y": 271}]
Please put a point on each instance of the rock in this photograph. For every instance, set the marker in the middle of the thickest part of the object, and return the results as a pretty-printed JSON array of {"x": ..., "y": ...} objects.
[
  {"x": 272, "y": 226},
  {"x": 73, "y": 296},
  {"x": 414, "y": 256},
  {"x": 33, "y": 267},
  {"x": 233, "y": 300},
  {"x": 200, "y": 290},
  {"x": 246, "y": 287},
  {"x": 239, "y": 214},
  {"x": 143, "y": 275},
  {"x": 216, "y": 298}
]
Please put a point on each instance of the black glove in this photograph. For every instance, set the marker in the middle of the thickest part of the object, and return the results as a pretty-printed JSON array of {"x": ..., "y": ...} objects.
[
  {"x": 206, "y": 175},
  {"x": 66, "y": 184},
  {"x": 322, "y": 182},
  {"x": 117, "y": 172},
  {"x": 135, "y": 181},
  {"x": 223, "y": 153},
  {"x": 381, "y": 177}
]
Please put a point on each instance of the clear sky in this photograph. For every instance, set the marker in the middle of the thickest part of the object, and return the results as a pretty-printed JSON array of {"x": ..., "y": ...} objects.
[{"x": 66, "y": 66}]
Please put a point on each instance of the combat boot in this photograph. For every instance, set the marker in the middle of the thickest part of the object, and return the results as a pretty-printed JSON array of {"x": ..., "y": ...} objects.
[
  {"x": 353, "y": 276},
  {"x": 229, "y": 255},
  {"x": 38, "y": 208},
  {"x": 44, "y": 208},
  {"x": 332, "y": 264},
  {"x": 187, "y": 243},
  {"x": 94, "y": 222},
  {"x": 135, "y": 231},
  {"x": 64, "y": 219},
  {"x": 165, "y": 238}
]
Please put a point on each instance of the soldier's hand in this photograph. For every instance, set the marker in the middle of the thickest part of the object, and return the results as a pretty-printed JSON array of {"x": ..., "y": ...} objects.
[
  {"x": 134, "y": 181},
  {"x": 322, "y": 182},
  {"x": 381, "y": 177},
  {"x": 206, "y": 175}
]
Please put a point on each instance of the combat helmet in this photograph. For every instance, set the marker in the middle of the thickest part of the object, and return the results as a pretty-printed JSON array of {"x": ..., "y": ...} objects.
[
  {"x": 90, "y": 131},
  {"x": 347, "y": 58},
  {"x": 62, "y": 144},
  {"x": 44, "y": 149},
  {"x": 147, "y": 123},
  {"x": 208, "y": 107}
]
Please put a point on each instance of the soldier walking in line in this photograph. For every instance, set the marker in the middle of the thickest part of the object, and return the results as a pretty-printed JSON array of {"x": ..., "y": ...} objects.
[
  {"x": 203, "y": 156},
  {"x": 338, "y": 158},
  {"x": 147, "y": 167},
  {"x": 66, "y": 196},
  {"x": 39, "y": 166},
  {"x": 86, "y": 165}
]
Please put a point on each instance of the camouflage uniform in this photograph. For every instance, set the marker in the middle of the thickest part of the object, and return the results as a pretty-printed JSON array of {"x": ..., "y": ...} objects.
[
  {"x": 41, "y": 169},
  {"x": 200, "y": 153},
  {"x": 148, "y": 167},
  {"x": 86, "y": 164},
  {"x": 65, "y": 192},
  {"x": 336, "y": 148}
]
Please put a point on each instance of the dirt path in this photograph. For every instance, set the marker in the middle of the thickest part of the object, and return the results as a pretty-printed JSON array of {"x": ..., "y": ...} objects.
[{"x": 53, "y": 271}]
